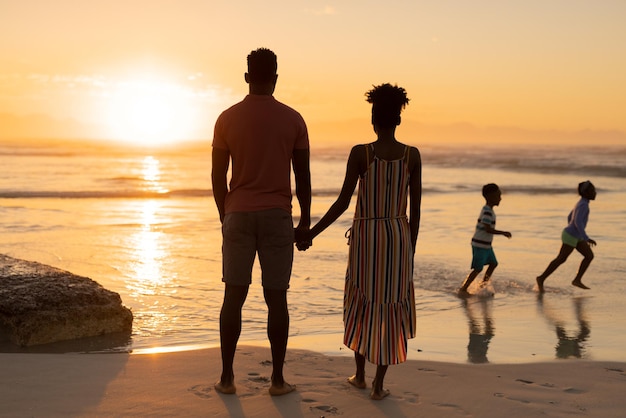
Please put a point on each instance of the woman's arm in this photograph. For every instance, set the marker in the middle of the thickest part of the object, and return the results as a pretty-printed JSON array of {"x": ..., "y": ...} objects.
[
  {"x": 356, "y": 166},
  {"x": 415, "y": 193}
]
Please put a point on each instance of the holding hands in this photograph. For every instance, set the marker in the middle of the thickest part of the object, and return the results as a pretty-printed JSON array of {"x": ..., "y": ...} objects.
[{"x": 303, "y": 238}]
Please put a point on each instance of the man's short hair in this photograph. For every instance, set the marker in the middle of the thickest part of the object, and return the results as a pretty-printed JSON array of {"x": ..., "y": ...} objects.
[
  {"x": 489, "y": 189},
  {"x": 262, "y": 66}
]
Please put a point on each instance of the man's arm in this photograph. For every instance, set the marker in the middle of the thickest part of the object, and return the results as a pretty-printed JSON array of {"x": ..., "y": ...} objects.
[
  {"x": 302, "y": 171},
  {"x": 221, "y": 160}
]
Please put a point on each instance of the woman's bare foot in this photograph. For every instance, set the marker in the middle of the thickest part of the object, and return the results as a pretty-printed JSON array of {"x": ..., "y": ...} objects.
[
  {"x": 226, "y": 389},
  {"x": 378, "y": 395},
  {"x": 540, "y": 284},
  {"x": 357, "y": 383},
  {"x": 580, "y": 284},
  {"x": 279, "y": 390}
]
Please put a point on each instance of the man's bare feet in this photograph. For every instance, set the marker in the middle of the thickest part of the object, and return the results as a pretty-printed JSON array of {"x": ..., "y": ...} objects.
[
  {"x": 357, "y": 383},
  {"x": 540, "y": 284},
  {"x": 462, "y": 293},
  {"x": 279, "y": 390},
  {"x": 226, "y": 389},
  {"x": 580, "y": 284},
  {"x": 378, "y": 395}
]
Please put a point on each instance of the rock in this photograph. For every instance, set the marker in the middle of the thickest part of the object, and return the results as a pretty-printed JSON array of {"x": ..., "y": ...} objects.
[{"x": 40, "y": 304}]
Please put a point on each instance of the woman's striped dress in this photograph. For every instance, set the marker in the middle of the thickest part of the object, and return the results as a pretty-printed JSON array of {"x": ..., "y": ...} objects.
[{"x": 379, "y": 299}]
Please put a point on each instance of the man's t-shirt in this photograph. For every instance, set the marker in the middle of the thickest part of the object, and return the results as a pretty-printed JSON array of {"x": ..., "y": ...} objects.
[{"x": 260, "y": 133}]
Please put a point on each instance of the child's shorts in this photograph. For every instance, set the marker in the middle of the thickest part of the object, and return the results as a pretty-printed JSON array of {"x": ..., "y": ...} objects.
[
  {"x": 569, "y": 239},
  {"x": 482, "y": 257}
]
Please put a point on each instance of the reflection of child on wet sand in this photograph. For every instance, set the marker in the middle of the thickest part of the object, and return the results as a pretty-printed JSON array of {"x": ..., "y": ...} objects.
[
  {"x": 574, "y": 237},
  {"x": 479, "y": 336},
  {"x": 570, "y": 344},
  {"x": 482, "y": 251}
]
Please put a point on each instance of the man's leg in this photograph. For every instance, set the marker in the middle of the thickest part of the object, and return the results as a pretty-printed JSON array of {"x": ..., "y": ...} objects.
[
  {"x": 275, "y": 249},
  {"x": 230, "y": 329},
  {"x": 278, "y": 334}
]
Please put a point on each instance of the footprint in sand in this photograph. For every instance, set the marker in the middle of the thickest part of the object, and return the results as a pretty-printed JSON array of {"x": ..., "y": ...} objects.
[
  {"x": 573, "y": 391},
  {"x": 451, "y": 407},
  {"x": 201, "y": 391},
  {"x": 504, "y": 396},
  {"x": 410, "y": 397},
  {"x": 552, "y": 386},
  {"x": 528, "y": 382},
  {"x": 255, "y": 377},
  {"x": 432, "y": 371},
  {"x": 325, "y": 408}
]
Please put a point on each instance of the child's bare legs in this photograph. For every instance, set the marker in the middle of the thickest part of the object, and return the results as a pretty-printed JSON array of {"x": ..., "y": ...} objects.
[
  {"x": 583, "y": 248},
  {"x": 468, "y": 281},
  {"x": 564, "y": 253},
  {"x": 358, "y": 380},
  {"x": 489, "y": 272},
  {"x": 378, "y": 391}
]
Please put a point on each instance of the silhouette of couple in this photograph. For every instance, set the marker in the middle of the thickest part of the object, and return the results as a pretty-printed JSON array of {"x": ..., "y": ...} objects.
[{"x": 263, "y": 139}]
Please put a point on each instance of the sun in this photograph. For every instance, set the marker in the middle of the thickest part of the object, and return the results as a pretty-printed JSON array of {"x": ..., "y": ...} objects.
[{"x": 150, "y": 111}]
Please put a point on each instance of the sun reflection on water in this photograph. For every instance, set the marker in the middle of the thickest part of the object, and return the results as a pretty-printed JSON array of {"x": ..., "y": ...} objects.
[
  {"x": 150, "y": 283},
  {"x": 151, "y": 174}
]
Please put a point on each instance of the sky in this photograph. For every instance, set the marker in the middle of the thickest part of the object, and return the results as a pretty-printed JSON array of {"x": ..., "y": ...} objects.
[{"x": 163, "y": 70}]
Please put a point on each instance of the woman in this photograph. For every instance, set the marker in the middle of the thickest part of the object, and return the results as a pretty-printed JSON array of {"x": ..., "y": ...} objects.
[{"x": 379, "y": 299}]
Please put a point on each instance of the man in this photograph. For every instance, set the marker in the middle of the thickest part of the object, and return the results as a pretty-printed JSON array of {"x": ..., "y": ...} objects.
[{"x": 263, "y": 138}]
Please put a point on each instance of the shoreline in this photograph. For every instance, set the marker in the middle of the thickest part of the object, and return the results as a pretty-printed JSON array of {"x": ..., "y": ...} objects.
[
  {"x": 514, "y": 339},
  {"x": 181, "y": 383}
]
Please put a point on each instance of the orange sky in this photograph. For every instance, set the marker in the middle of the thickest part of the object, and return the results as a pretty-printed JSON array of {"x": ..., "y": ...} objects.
[{"x": 163, "y": 70}]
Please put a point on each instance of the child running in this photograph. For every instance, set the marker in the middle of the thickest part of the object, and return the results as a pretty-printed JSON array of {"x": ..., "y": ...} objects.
[
  {"x": 482, "y": 251},
  {"x": 574, "y": 237}
]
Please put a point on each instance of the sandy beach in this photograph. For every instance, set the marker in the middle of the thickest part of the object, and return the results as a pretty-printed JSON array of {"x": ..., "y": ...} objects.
[{"x": 181, "y": 384}]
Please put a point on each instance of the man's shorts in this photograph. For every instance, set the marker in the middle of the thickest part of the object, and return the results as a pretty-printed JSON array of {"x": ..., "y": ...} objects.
[
  {"x": 482, "y": 257},
  {"x": 569, "y": 239},
  {"x": 268, "y": 233}
]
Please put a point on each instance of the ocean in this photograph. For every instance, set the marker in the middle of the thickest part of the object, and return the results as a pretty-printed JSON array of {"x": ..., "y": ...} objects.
[{"x": 144, "y": 224}]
